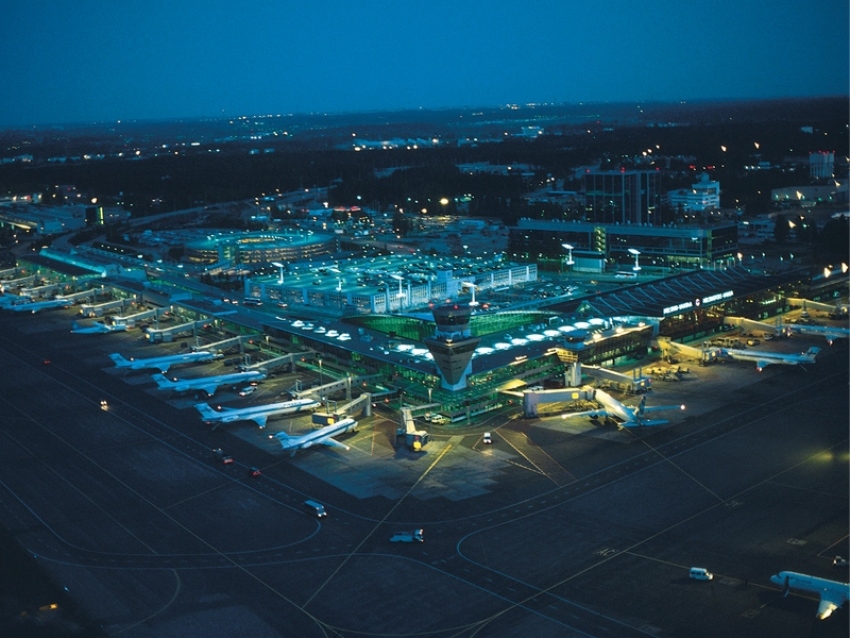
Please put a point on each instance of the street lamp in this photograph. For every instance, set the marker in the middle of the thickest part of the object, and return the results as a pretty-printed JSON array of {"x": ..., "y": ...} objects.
[
  {"x": 636, "y": 253},
  {"x": 400, "y": 295},
  {"x": 570, "y": 262},
  {"x": 472, "y": 287},
  {"x": 280, "y": 267}
]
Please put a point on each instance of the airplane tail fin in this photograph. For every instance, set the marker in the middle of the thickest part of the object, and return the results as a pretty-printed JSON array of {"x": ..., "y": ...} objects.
[
  {"x": 205, "y": 410},
  {"x": 813, "y": 351},
  {"x": 285, "y": 441},
  {"x": 119, "y": 360},
  {"x": 161, "y": 380}
]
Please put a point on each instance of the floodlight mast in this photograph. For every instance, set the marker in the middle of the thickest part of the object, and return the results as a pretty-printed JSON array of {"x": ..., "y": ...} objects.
[
  {"x": 472, "y": 287},
  {"x": 636, "y": 253},
  {"x": 280, "y": 268}
]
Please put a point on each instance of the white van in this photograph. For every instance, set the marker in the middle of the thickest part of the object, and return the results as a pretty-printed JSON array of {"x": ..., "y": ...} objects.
[
  {"x": 701, "y": 573},
  {"x": 317, "y": 509}
]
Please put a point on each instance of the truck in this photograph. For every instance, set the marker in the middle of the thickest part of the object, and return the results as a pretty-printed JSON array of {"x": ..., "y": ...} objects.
[{"x": 413, "y": 536}]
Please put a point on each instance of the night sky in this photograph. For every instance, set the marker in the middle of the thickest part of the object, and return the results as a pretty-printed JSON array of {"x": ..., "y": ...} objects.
[{"x": 105, "y": 60}]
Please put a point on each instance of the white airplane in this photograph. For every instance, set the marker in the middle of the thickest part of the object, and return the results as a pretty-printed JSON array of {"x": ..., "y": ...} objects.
[
  {"x": 259, "y": 414},
  {"x": 764, "y": 359},
  {"x": 625, "y": 416},
  {"x": 98, "y": 327},
  {"x": 164, "y": 363},
  {"x": 35, "y": 306},
  {"x": 207, "y": 384},
  {"x": 833, "y": 594},
  {"x": 831, "y": 333},
  {"x": 322, "y": 436}
]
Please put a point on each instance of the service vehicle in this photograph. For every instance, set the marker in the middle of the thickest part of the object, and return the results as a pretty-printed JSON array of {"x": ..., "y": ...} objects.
[{"x": 413, "y": 536}]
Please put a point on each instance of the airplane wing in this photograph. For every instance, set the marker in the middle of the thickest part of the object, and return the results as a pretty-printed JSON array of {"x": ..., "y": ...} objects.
[
  {"x": 659, "y": 408},
  {"x": 209, "y": 388},
  {"x": 330, "y": 442},
  {"x": 593, "y": 414},
  {"x": 260, "y": 420}
]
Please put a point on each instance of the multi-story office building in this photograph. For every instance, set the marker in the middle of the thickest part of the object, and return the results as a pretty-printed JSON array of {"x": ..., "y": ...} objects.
[
  {"x": 667, "y": 246},
  {"x": 700, "y": 197},
  {"x": 621, "y": 197},
  {"x": 821, "y": 164}
]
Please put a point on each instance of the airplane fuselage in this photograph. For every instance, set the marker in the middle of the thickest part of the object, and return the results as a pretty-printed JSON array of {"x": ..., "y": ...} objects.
[
  {"x": 762, "y": 359},
  {"x": 322, "y": 436},
  {"x": 258, "y": 413},
  {"x": 207, "y": 384},
  {"x": 163, "y": 363},
  {"x": 833, "y": 594}
]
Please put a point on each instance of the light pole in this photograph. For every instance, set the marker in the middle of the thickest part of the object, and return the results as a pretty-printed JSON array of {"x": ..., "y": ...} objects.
[
  {"x": 280, "y": 268},
  {"x": 400, "y": 295},
  {"x": 472, "y": 287},
  {"x": 636, "y": 253},
  {"x": 570, "y": 262}
]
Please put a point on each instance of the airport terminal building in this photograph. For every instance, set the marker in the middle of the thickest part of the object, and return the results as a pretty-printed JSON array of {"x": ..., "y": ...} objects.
[{"x": 457, "y": 354}]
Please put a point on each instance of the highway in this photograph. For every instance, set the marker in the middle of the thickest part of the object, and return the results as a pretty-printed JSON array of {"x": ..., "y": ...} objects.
[{"x": 557, "y": 529}]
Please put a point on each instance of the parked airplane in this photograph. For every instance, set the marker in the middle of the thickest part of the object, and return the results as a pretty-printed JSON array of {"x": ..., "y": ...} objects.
[
  {"x": 321, "y": 436},
  {"x": 259, "y": 414},
  {"x": 98, "y": 327},
  {"x": 164, "y": 363},
  {"x": 207, "y": 384},
  {"x": 625, "y": 416},
  {"x": 833, "y": 594},
  {"x": 35, "y": 306},
  {"x": 764, "y": 359},
  {"x": 831, "y": 333}
]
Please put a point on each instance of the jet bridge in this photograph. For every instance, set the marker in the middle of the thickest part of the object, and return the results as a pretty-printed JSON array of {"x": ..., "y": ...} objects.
[
  {"x": 670, "y": 348},
  {"x": 634, "y": 383},
  {"x": 42, "y": 291},
  {"x": 270, "y": 364},
  {"x": 325, "y": 389},
  {"x": 751, "y": 325},
  {"x": 219, "y": 346},
  {"x": 19, "y": 282},
  {"x": 154, "y": 313},
  {"x": 98, "y": 310},
  {"x": 166, "y": 335},
  {"x": 83, "y": 294},
  {"x": 838, "y": 308}
]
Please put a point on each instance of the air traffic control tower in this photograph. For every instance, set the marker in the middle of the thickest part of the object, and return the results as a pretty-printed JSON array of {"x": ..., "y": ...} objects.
[{"x": 452, "y": 345}]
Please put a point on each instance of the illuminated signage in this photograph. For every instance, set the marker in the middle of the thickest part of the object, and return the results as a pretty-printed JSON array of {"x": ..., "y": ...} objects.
[
  {"x": 685, "y": 305},
  {"x": 696, "y": 303},
  {"x": 718, "y": 297}
]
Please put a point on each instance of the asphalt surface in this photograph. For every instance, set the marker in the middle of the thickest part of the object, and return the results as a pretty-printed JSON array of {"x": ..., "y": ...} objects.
[{"x": 560, "y": 528}]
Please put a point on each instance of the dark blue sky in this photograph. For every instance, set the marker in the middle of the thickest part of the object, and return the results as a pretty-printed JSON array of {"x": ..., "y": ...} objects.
[{"x": 104, "y": 60}]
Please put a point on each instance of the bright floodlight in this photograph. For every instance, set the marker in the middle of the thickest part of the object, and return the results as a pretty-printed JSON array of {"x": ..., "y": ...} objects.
[
  {"x": 280, "y": 267},
  {"x": 636, "y": 253},
  {"x": 569, "y": 249},
  {"x": 472, "y": 287}
]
